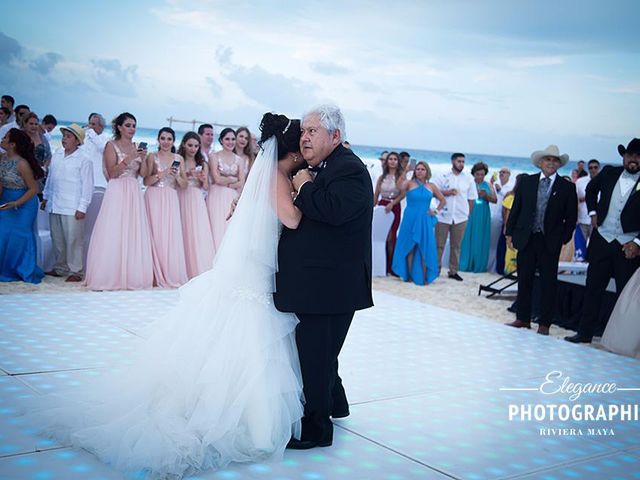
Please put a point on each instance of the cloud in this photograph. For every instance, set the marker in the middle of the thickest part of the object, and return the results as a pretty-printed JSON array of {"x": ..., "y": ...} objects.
[
  {"x": 329, "y": 68},
  {"x": 533, "y": 62},
  {"x": 10, "y": 49},
  {"x": 114, "y": 78},
  {"x": 223, "y": 56},
  {"x": 629, "y": 89},
  {"x": 46, "y": 62},
  {"x": 214, "y": 86}
]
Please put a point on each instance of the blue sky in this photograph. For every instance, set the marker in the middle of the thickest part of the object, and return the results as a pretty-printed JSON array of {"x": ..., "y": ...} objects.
[{"x": 501, "y": 77}]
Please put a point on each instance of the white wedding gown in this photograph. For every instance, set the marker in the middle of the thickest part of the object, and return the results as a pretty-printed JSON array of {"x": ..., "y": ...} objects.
[
  {"x": 218, "y": 379},
  {"x": 622, "y": 334}
]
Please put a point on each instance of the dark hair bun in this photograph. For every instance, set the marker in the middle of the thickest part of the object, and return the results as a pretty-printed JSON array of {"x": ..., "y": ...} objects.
[{"x": 286, "y": 131}]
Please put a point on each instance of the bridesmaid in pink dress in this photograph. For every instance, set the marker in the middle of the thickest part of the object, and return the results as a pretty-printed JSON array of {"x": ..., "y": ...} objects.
[
  {"x": 227, "y": 172},
  {"x": 165, "y": 171},
  {"x": 119, "y": 256},
  {"x": 196, "y": 230},
  {"x": 244, "y": 149}
]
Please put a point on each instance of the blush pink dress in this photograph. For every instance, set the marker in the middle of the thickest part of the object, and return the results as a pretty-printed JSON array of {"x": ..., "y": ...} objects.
[
  {"x": 219, "y": 200},
  {"x": 163, "y": 210},
  {"x": 119, "y": 255},
  {"x": 196, "y": 230}
]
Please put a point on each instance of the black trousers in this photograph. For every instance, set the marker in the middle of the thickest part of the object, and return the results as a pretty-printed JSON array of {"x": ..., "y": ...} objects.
[
  {"x": 536, "y": 255},
  {"x": 606, "y": 260},
  {"x": 320, "y": 339}
]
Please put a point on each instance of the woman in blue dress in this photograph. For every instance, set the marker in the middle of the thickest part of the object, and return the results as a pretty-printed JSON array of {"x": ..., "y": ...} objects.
[
  {"x": 477, "y": 236},
  {"x": 19, "y": 172},
  {"x": 415, "y": 256}
]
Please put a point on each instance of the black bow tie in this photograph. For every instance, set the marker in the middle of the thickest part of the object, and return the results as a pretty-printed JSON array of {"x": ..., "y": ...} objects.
[{"x": 318, "y": 168}]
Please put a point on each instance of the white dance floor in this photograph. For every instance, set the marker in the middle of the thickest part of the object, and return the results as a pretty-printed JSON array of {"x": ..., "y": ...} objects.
[{"x": 430, "y": 391}]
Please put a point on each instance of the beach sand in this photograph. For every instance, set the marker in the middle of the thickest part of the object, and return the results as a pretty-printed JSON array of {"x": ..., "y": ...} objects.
[{"x": 446, "y": 293}]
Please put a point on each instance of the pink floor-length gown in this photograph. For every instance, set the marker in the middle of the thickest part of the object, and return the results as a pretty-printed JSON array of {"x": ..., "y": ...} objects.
[
  {"x": 119, "y": 255},
  {"x": 196, "y": 230},
  {"x": 219, "y": 201},
  {"x": 163, "y": 210}
]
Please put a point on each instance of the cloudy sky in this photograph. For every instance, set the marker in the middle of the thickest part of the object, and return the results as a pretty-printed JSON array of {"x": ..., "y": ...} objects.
[{"x": 495, "y": 76}]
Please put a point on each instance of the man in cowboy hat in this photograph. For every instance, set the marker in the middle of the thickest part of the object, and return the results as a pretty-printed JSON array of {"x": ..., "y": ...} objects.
[
  {"x": 613, "y": 202},
  {"x": 67, "y": 195},
  {"x": 542, "y": 219}
]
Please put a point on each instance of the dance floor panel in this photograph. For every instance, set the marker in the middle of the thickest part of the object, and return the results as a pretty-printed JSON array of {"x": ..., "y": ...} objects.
[{"x": 430, "y": 392}]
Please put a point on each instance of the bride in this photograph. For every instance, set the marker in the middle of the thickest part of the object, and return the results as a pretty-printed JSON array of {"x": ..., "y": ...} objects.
[
  {"x": 622, "y": 334},
  {"x": 218, "y": 379}
]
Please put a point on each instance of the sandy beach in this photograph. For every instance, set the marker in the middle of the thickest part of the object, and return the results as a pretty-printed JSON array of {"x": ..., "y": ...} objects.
[{"x": 444, "y": 292}]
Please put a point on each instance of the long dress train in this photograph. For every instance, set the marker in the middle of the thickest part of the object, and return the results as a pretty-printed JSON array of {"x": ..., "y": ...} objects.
[
  {"x": 417, "y": 235},
  {"x": 622, "y": 334},
  {"x": 218, "y": 380}
]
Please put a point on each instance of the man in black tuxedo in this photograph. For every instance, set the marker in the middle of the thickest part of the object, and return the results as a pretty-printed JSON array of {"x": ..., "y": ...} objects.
[
  {"x": 614, "y": 247},
  {"x": 324, "y": 266},
  {"x": 542, "y": 219}
]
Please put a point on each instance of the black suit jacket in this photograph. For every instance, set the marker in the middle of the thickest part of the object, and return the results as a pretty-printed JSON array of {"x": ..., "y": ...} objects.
[
  {"x": 560, "y": 216},
  {"x": 603, "y": 185},
  {"x": 324, "y": 266}
]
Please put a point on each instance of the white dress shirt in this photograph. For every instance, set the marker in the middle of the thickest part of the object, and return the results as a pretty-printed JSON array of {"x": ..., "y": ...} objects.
[
  {"x": 611, "y": 227},
  {"x": 69, "y": 184},
  {"x": 581, "y": 190},
  {"x": 94, "y": 144},
  {"x": 457, "y": 208}
]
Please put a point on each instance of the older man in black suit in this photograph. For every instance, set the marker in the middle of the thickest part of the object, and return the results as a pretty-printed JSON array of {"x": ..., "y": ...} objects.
[
  {"x": 542, "y": 219},
  {"x": 613, "y": 202},
  {"x": 324, "y": 273}
]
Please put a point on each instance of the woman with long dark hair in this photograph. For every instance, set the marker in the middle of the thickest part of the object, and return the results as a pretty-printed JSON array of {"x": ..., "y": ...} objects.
[
  {"x": 19, "y": 172},
  {"x": 227, "y": 175},
  {"x": 119, "y": 256},
  {"x": 165, "y": 174},
  {"x": 196, "y": 231},
  {"x": 388, "y": 190}
]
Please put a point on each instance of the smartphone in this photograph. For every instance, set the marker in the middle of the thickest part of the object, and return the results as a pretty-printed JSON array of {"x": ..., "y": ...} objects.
[
  {"x": 3, "y": 205},
  {"x": 175, "y": 165},
  {"x": 198, "y": 168},
  {"x": 142, "y": 146}
]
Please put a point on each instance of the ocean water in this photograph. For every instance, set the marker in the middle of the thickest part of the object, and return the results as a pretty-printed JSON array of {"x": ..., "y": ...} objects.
[{"x": 439, "y": 162}]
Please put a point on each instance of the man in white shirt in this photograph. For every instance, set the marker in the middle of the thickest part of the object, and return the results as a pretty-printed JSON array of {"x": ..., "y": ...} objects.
[
  {"x": 96, "y": 138},
  {"x": 49, "y": 122},
  {"x": 584, "y": 220},
  {"x": 206, "y": 139},
  {"x": 460, "y": 192},
  {"x": 67, "y": 195}
]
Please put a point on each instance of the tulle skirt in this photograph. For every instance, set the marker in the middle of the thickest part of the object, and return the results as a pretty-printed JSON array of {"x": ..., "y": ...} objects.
[
  {"x": 219, "y": 205},
  {"x": 196, "y": 231},
  {"x": 119, "y": 256},
  {"x": 622, "y": 334},
  {"x": 217, "y": 381},
  {"x": 163, "y": 210}
]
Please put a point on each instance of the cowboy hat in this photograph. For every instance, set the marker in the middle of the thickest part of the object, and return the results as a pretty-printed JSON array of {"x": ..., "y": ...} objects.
[
  {"x": 550, "y": 151},
  {"x": 76, "y": 130},
  {"x": 633, "y": 147}
]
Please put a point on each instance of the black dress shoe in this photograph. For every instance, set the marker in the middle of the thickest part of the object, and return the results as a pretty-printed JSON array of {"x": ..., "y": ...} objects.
[
  {"x": 455, "y": 276},
  {"x": 295, "y": 444},
  {"x": 577, "y": 338}
]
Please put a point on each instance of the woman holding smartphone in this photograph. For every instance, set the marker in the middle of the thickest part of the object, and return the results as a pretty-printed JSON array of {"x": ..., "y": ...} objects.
[
  {"x": 19, "y": 172},
  {"x": 227, "y": 172},
  {"x": 165, "y": 172},
  {"x": 119, "y": 256},
  {"x": 196, "y": 231}
]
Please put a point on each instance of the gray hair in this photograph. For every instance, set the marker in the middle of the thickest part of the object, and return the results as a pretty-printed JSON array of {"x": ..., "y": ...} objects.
[
  {"x": 101, "y": 120},
  {"x": 331, "y": 118}
]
